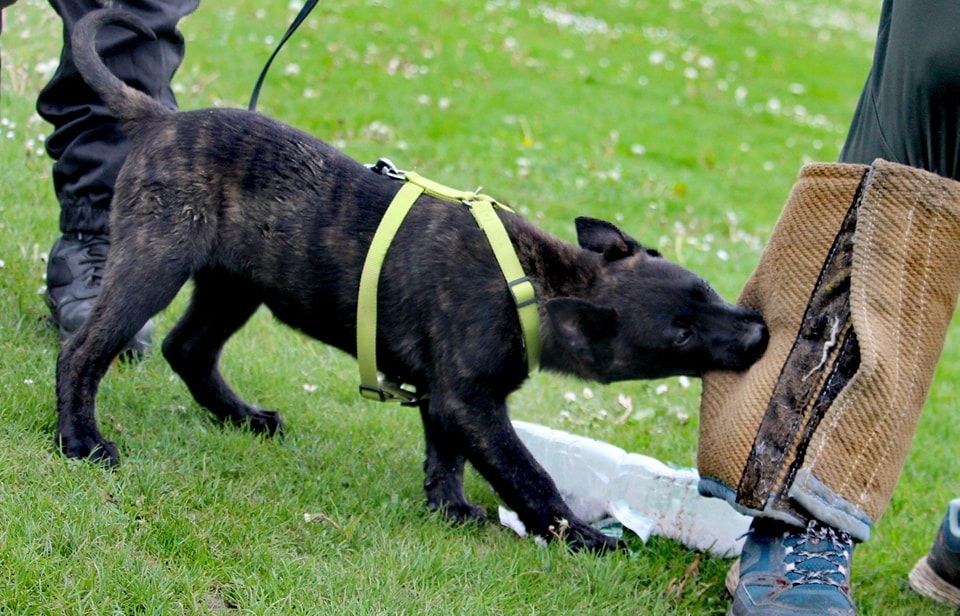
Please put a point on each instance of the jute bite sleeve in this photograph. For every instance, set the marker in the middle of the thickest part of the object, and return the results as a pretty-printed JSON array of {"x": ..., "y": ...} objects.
[{"x": 857, "y": 285}]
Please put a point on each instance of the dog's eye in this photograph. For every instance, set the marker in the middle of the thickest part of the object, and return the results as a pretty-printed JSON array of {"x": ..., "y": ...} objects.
[{"x": 683, "y": 337}]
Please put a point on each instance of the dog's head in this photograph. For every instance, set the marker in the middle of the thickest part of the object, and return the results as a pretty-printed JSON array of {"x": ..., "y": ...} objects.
[{"x": 645, "y": 317}]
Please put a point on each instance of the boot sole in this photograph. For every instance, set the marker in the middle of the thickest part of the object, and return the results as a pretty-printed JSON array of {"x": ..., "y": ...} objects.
[
  {"x": 733, "y": 577},
  {"x": 925, "y": 581},
  {"x": 731, "y": 581}
]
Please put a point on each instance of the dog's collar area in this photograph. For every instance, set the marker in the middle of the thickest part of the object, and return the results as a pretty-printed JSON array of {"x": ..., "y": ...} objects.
[{"x": 373, "y": 385}]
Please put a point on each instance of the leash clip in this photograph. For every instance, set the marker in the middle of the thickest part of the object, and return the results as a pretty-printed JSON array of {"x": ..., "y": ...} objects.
[{"x": 385, "y": 166}]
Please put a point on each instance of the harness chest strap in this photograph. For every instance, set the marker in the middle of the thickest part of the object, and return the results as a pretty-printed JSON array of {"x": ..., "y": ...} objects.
[
  {"x": 369, "y": 282},
  {"x": 483, "y": 209}
]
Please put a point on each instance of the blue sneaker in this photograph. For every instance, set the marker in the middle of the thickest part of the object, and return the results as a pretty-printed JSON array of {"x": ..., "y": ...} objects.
[
  {"x": 937, "y": 575},
  {"x": 788, "y": 571}
]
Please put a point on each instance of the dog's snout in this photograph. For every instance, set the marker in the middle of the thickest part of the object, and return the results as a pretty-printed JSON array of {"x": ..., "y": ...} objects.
[{"x": 756, "y": 337}]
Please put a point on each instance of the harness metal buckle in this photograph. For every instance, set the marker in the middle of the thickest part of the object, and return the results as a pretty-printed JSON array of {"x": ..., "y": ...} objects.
[
  {"x": 385, "y": 166},
  {"x": 388, "y": 390},
  {"x": 522, "y": 296}
]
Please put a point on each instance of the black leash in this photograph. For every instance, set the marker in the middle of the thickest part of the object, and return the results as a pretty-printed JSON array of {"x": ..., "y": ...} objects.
[{"x": 301, "y": 16}]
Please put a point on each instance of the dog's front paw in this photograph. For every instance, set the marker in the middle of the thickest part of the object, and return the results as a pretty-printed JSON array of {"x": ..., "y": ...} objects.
[
  {"x": 263, "y": 422},
  {"x": 581, "y": 536},
  {"x": 94, "y": 448},
  {"x": 460, "y": 513}
]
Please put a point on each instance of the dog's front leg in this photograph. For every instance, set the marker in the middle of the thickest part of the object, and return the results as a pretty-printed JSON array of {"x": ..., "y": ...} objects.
[
  {"x": 443, "y": 470},
  {"x": 481, "y": 427}
]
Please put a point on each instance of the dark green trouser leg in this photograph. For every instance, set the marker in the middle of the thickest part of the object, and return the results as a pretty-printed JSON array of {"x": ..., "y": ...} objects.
[{"x": 909, "y": 111}]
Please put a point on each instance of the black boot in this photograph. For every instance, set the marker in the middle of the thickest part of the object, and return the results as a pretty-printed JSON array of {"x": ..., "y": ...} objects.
[{"x": 74, "y": 279}]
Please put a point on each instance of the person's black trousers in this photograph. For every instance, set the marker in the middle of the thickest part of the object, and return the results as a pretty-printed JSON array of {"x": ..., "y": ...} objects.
[
  {"x": 909, "y": 110},
  {"x": 86, "y": 143}
]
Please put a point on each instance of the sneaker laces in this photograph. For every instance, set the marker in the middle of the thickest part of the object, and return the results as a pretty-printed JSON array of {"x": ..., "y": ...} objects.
[
  {"x": 95, "y": 247},
  {"x": 821, "y": 555}
]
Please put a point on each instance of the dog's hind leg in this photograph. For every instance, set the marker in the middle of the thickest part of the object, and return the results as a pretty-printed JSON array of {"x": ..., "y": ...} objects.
[
  {"x": 443, "y": 471},
  {"x": 220, "y": 305},
  {"x": 133, "y": 291}
]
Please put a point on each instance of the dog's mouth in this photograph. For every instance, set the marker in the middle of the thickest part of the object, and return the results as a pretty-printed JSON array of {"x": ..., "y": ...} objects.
[
  {"x": 737, "y": 353},
  {"x": 748, "y": 349}
]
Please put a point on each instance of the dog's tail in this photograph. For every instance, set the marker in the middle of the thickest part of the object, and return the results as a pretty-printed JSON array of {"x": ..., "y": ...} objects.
[{"x": 124, "y": 101}]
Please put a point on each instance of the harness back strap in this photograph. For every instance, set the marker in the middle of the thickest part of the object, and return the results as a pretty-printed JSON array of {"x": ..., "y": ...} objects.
[{"x": 483, "y": 209}]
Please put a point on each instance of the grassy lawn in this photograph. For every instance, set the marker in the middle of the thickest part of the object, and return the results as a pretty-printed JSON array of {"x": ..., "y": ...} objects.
[{"x": 684, "y": 121}]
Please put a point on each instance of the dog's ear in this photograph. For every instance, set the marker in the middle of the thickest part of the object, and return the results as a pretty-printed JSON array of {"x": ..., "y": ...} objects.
[
  {"x": 585, "y": 329},
  {"x": 603, "y": 237}
]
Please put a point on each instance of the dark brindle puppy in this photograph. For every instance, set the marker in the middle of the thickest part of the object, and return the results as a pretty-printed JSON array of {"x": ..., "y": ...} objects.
[{"x": 261, "y": 213}]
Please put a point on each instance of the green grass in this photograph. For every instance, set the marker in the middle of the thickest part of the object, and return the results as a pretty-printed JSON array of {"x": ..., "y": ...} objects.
[{"x": 609, "y": 122}]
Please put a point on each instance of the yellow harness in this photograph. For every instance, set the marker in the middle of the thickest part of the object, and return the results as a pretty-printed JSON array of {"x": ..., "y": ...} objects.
[{"x": 373, "y": 385}]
